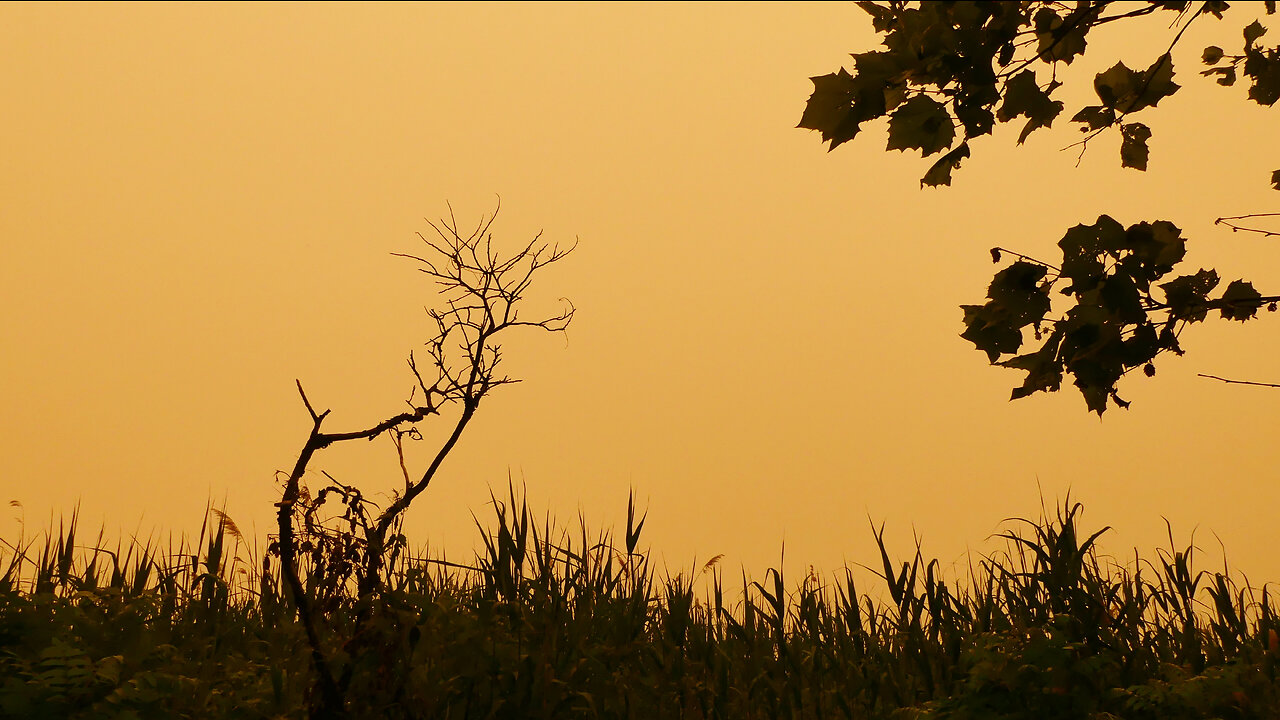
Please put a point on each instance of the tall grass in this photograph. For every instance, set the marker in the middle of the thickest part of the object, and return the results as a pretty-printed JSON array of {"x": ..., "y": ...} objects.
[{"x": 551, "y": 623}]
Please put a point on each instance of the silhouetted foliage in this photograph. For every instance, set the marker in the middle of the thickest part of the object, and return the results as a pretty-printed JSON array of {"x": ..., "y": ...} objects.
[
  {"x": 565, "y": 623},
  {"x": 950, "y": 72}
]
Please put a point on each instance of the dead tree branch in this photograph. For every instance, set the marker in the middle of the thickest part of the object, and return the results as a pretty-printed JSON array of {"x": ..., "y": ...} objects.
[{"x": 481, "y": 290}]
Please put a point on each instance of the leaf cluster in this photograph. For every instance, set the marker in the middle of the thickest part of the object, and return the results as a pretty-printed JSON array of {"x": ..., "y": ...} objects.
[
  {"x": 1124, "y": 312},
  {"x": 949, "y": 72},
  {"x": 1261, "y": 65}
]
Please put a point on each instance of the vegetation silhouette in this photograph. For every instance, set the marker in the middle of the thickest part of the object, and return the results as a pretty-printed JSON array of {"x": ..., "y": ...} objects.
[
  {"x": 949, "y": 72},
  {"x": 337, "y": 618},
  {"x": 481, "y": 290},
  {"x": 555, "y": 623}
]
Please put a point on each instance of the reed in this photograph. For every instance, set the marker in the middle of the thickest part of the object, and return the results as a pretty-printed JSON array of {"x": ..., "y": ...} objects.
[{"x": 565, "y": 623}]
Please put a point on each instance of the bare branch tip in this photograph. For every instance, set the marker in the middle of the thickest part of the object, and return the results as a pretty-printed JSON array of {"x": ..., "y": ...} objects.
[{"x": 307, "y": 403}]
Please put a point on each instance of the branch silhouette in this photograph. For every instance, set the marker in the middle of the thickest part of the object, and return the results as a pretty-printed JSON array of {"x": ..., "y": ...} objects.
[{"x": 481, "y": 290}]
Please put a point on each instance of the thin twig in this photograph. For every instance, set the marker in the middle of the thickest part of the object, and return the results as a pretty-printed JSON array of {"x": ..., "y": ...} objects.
[
  {"x": 997, "y": 251},
  {"x": 1244, "y": 228},
  {"x": 1239, "y": 382}
]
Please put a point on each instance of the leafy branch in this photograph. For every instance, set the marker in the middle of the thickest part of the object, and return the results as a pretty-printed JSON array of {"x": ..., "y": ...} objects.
[
  {"x": 1122, "y": 317},
  {"x": 949, "y": 72}
]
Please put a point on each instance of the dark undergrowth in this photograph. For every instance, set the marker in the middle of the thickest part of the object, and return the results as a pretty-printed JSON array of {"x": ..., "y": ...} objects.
[{"x": 555, "y": 624}]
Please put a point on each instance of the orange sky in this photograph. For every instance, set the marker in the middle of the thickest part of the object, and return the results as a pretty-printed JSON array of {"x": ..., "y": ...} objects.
[{"x": 201, "y": 202}]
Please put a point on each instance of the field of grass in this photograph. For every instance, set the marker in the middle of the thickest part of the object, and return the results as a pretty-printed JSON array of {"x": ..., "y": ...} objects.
[{"x": 567, "y": 624}]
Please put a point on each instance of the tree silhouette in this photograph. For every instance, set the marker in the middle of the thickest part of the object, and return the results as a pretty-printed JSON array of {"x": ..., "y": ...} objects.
[{"x": 481, "y": 291}]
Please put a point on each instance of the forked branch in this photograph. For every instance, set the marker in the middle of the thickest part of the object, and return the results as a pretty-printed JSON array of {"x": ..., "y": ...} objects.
[{"x": 480, "y": 290}]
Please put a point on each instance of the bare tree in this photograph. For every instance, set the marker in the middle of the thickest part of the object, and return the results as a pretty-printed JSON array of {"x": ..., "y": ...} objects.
[{"x": 481, "y": 291}]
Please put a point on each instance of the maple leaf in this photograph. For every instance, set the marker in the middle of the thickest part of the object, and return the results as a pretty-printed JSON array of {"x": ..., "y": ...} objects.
[
  {"x": 830, "y": 106},
  {"x": 1017, "y": 297},
  {"x": 1264, "y": 69},
  {"x": 1083, "y": 248},
  {"x": 940, "y": 172},
  {"x": 1023, "y": 96},
  {"x": 1060, "y": 39},
  {"x": 1117, "y": 86},
  {"x": 1018, "y": 288},
  {"x": 1133, "y": 145},
  {"x": 988, "y": 328},
  {"x": 1244, "y": 301},
  {"x": 1044, "y": 368},
  {"x": 1157, "y": 83},
  {"x": 1187, "y": 294},
  {"x": 1126, "y": 90},
  {"x": 1157, "y": 247},
  {"x": 881, "y": 17},
  {"x": 921, "y": 123},
  {"x": 1254, "y": 31},
  {"x": 1119, "y": 295},
  {"x": 1094, "y": 117}
]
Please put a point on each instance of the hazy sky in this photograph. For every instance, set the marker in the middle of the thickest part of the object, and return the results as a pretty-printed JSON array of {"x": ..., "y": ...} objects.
[{"x": 201, "y": 202}]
